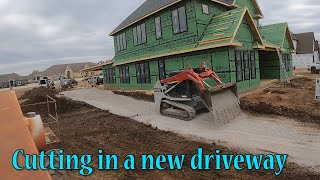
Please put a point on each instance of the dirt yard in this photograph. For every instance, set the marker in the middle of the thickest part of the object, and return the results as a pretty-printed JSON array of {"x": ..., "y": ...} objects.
[
  {"x": 86, "y": 129},
  {"x": 295, "y": 100}
]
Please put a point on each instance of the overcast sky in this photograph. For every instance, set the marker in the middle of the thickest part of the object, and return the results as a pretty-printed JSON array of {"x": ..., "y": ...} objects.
[{"x": 35, "y": 34}]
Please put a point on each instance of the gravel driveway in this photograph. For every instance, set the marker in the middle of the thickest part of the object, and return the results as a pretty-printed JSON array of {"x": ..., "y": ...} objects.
[{"x": 256, "y": 134}]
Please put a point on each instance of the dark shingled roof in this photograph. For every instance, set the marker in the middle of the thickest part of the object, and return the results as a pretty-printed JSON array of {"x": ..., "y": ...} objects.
[
  {"x": 149, "y": 7},
  {"x": 60, "y": 69},
  {"x": 305, "y": 43}
]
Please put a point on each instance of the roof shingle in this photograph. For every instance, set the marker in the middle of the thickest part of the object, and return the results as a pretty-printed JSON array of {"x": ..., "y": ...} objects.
[
  {"x": 306, "y": 43},
  {"x": 149, "y": 7}
]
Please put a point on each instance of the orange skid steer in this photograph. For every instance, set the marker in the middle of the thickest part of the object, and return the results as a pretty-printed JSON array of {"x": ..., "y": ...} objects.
[{"x": 185, "y": 92}]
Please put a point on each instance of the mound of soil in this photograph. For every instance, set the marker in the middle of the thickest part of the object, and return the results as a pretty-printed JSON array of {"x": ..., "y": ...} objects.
[
  {"x": 89, "y": 129},
  {"x": 39, "y": 95},
  {"x": 136, "y": 95},
  {"x": 295, "y": 100}
]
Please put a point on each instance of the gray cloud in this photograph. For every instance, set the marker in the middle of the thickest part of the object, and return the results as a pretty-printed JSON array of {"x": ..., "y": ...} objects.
[{"x": 35, "y": 34}]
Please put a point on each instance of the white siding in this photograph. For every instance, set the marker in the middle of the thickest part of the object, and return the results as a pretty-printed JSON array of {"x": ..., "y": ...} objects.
[
  {"x": 316, "y": 57},
  {"x": 302, "y": 61},
  {"x": 295, "y": 44}
]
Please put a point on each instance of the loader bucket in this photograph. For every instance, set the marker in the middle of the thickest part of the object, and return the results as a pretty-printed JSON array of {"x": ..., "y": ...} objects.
[{"x": 222, "y": 101}]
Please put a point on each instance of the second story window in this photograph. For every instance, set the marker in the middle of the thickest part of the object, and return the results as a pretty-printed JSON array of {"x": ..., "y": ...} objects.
[
  {"x": 157, "y": 22},
  {"x": 139, "y": 34},
  {"x": 205, "y": 8},
  {"x": 179, "y": 20},
  {"x": 121, "y": 42}
]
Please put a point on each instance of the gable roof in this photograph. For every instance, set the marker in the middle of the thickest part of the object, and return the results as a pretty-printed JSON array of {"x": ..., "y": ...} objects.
[
  {"x": 60, "y": 69},
  {"x": 306, "y": 43},
  {"x": 151, "y": 7},
  {"x": 226, "y": 25},
  {"x": 293, "y": 36},
  {"x": 274, "y": 35},
  {"x": 255, "y": 4},
  {"x": 220, "y": 32}
]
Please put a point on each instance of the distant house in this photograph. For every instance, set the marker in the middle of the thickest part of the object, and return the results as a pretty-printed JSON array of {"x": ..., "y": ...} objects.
[
  {"x": 4, "y": 79},
  {"x": 65, "y": 70},
  {"x": 306, "y": 50},
  {"x": 18, "y": 80}
]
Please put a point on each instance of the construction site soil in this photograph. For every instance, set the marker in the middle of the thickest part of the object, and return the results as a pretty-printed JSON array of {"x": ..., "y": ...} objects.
[
  {"x": 136, "y": 95},
  {"x": 85, "y": 129},
  {"x": 295, "y": 100},
  {"x": 39, "y": 95}
]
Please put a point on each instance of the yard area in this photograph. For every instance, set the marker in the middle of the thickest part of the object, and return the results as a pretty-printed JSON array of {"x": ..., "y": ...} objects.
[
  {"x": 86, "y": 129},
  {"x": 93, "y": 119}
]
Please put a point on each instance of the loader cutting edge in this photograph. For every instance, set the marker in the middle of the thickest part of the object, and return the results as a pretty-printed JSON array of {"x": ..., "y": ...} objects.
[{"x": 222, "y": 102}]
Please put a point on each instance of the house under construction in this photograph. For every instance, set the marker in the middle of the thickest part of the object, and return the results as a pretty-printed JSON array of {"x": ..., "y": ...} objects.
[{"x": 169, "y": 35}]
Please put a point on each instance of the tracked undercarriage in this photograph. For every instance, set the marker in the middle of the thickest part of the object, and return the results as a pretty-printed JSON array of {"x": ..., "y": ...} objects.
[{"x": 186, "y": 92}]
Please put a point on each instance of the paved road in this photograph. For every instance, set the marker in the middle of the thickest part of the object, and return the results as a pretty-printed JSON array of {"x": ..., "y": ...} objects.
[{"x": 255, "y": 134}]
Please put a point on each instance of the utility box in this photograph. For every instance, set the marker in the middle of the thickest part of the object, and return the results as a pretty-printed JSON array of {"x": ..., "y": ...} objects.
[{"x": 318, "y": 89}]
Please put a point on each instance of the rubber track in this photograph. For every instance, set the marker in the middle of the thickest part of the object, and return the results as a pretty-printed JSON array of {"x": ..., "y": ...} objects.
[{"x": 190, "y": 110}]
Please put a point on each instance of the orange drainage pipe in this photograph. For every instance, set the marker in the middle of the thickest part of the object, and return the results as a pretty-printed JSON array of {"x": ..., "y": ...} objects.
[{"x": 14, "y": 135}]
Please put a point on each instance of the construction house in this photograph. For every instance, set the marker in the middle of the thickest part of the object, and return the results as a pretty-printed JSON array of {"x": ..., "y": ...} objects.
[
  {"x": 307, "y": 51},
  {"x": 276, "y": 36},
  {"x": 170, "y": 35}
]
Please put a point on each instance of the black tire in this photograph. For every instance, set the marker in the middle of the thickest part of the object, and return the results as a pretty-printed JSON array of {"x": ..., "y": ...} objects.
[{"x": 313, "y": 70}]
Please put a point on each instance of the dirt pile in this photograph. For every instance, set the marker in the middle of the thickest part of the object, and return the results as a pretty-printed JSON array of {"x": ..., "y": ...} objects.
[
  {"x": 136, "y": 95},
  {"x": 39, "y": 95},
  {"x": 294, "y": 100}
]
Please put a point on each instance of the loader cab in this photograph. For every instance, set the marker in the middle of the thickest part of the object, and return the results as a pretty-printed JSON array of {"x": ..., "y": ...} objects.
[{"x": 186, "y": 89}]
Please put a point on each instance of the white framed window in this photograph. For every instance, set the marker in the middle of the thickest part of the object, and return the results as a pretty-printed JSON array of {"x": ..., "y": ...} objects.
[{"x": 205, "y": 8}]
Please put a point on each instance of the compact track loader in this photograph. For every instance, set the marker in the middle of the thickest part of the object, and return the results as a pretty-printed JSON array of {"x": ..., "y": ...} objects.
[{"x": 186, "y": 92}]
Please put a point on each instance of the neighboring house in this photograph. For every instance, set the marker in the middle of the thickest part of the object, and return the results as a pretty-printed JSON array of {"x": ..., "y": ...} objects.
[
  {"x": 169, "y": 35},
  {"x": 66, "y": 70},
  {"x": 4, "y": 79},
  {"x": 306, "y": 50},
  {"x": 18, "y": 80}
]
